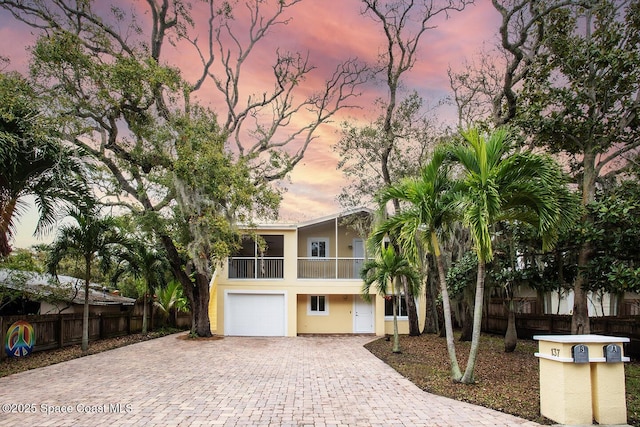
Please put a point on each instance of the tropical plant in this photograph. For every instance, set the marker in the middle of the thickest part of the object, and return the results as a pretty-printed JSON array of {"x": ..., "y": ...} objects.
[
  {"x": 385, "y": 272},
  {"x": 498, "y": 184},
  {"x": 170, "y": 300},
  {"x": 426, "y": 211},
  {"x": 461, "y": 280},
  {"x": 400, "y": 136},
  {"x": 568, "y": 75},
  {"x": 32, "y": 161},
  {"x": 144, "y": 263},
  {"x": 91, "y": 237}
]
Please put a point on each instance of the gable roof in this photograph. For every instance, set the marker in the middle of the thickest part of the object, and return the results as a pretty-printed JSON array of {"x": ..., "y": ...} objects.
[
  {"x": 66, "y": 288},
  {"x": 295, "y": 225},
  {"x": 337, "y": 215}
]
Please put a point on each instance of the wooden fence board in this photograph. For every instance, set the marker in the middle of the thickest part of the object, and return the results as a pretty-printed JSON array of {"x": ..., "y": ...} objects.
[{"x": 57, "y": 331}]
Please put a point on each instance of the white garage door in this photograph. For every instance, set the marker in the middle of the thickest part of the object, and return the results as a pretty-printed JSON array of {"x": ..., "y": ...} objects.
[{"x": 254, "y": 315}]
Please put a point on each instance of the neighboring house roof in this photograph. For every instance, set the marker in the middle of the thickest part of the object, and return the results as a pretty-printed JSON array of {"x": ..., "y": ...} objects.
[{"x": 66, "y": 288}]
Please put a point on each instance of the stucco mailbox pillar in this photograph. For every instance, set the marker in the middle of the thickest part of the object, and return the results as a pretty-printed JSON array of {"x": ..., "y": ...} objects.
[{"x": 582, "y": 379}]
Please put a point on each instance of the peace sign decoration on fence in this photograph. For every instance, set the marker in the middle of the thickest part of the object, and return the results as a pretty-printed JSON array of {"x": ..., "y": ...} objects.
[{"x": 20, "y": 339}]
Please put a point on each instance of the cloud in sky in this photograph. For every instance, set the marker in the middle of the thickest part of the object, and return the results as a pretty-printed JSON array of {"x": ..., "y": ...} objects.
[{"x": 330, "y": 31}]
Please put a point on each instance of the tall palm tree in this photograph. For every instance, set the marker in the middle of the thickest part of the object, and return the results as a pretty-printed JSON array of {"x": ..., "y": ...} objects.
[
  {"x": 427, "y": 209},
  {"x": 92, "y": 237},
  {"x": 145, "y": 263},
  {"x": 501, "y": 185},
  {"x": 385, "y": 271},
  {"x": 32, "y": 161}
]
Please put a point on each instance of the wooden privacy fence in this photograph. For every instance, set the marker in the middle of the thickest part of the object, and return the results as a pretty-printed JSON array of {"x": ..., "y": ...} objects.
[
  {"x": 57, "y": 331},
  {"x": 528, "y": 325}
]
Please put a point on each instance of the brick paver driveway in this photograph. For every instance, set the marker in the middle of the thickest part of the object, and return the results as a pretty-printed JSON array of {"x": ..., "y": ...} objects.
[{"x": 315, "y": 381}]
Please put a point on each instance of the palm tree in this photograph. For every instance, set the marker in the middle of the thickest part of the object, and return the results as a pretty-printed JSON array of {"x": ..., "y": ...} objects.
[
  {"x": 145, "y": 263},
  {"x": 501, "y": 185},
  {"x": 92, "y": 237},
  {"x": 428, "y": 209},
  {"x": 385, "y": 271},
  {"x": 170, "y": 300},
  {"x": 32, "y": 161}
]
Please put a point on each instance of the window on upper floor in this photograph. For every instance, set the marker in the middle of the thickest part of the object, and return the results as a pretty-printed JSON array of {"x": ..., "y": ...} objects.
[{"x": 318, "y": 247}]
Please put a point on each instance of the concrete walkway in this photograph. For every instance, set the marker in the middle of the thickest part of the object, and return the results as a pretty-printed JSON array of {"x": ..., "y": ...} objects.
[{"x": 302, "y": 381}]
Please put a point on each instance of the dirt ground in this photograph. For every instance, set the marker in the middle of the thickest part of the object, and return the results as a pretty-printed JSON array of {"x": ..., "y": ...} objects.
[{"x": 507, "y": 382}]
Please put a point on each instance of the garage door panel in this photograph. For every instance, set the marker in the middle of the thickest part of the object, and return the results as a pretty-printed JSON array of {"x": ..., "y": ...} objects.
[{"x": 251, "y": 314}]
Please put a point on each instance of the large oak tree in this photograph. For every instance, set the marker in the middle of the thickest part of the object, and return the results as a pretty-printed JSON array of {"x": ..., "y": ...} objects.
[{"x": 188, "y": 173}]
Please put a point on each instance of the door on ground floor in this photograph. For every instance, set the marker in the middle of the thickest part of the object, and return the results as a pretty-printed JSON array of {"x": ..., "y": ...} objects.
[
  {"x": 363, "y": 316},
  {"x": 255, "y": 314}
]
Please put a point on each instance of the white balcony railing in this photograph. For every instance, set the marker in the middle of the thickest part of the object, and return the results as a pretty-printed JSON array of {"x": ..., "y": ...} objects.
[
  {"x": 308, "y": 268},
  {"x": 256, "y": 268},
  {"x": 329, "y": 268}
]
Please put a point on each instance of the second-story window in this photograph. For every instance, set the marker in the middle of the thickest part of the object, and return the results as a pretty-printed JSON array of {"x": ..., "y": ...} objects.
[{"x": 318, "y": 247}]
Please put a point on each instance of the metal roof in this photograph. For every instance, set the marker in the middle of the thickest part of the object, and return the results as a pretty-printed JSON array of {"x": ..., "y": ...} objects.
[{"x": 65, "y": 288}]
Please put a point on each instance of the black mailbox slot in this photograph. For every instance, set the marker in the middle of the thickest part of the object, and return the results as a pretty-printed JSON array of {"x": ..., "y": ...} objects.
[
  {"x": 612, "y": 353},
  {"x": 580, "y": 353}
]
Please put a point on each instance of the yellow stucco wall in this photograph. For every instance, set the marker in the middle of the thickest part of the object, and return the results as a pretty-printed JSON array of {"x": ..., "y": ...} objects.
[
  {"x": 576, "y": 393},
  {"x": 339, "y": 320},
  {"x": 213, "y": 306},
  {"x": 341, "y": 293},
  {"x": 326, "y": 230},
  {"x": 403, "y": 327}
]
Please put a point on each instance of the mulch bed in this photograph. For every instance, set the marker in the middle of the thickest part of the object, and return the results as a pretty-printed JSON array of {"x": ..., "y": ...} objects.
[{"x": 507, "y": 382}]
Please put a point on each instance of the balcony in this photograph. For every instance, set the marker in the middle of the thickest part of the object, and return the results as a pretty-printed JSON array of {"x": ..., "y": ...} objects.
[
  {"x": 256, "y": 268},
  {"x": 308, "y": 268},
  {"x": 329, "y": 268}
]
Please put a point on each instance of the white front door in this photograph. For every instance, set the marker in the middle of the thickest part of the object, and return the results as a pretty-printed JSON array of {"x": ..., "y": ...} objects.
[{"x": 363, "y": 319}]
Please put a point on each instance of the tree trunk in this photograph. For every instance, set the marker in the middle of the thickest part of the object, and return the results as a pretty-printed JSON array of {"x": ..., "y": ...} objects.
[
  {"x": 580, "y": 319},
  {"x": 456, "y": 374},
  {"x": 5, "y": 247},
  {"x": 145, "y": 319},
  {"x": 85, "y": 312},
  {"x": 467, "y": 378},
  {"x": 396, "y": 336},
  {"x": 412, "y": 310},
  {"x": 580, "y": 323},
  {"x": 200, "y": 308},
  {"x": 441, "y": 321},
  {"x": 466, "y": 333},
  {"x": 197, "y": 293},
  {"x": 432, "y": 320},
  {"x": 5, "y": 220},
  {"x": 511, "y": 336}
]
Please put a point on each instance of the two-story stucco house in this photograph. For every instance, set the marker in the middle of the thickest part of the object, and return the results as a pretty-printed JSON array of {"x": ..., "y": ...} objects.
[{"x": 300, "y": 279}]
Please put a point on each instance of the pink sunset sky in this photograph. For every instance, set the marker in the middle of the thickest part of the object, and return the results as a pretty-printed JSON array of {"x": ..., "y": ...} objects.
[{"x": 330, "y": 31}]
